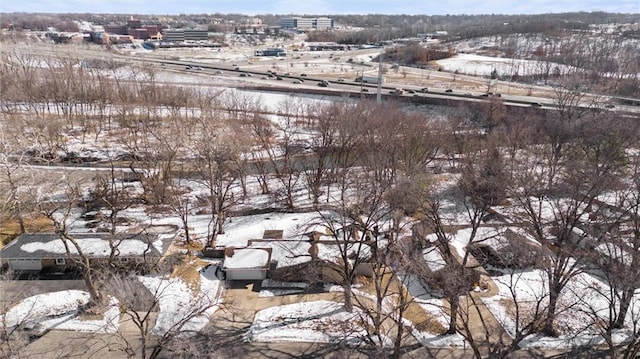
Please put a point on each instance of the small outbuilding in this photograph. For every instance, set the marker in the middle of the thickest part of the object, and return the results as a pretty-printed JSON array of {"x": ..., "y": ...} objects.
[{"x": 246, "y": 263}]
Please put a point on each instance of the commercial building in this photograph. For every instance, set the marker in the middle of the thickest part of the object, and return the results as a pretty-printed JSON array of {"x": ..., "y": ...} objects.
[
  {"x": 177, "y": 35},
  {"x": 306, "y": 23},
  {"x": 135, "y": 28},
  {"x": 271, "y": 52}
]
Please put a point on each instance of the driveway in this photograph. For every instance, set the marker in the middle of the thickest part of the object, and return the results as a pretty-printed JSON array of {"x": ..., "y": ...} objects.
[{"x": 12, "y": 291}]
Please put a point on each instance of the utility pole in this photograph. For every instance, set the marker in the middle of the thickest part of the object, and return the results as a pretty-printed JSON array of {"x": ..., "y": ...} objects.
[{"x": 379, "y": 94}]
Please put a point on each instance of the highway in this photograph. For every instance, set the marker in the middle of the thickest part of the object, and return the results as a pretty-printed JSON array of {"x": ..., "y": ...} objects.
[
  {"x": 260, "y": 77},
  {"x": 288, "y": 82}
]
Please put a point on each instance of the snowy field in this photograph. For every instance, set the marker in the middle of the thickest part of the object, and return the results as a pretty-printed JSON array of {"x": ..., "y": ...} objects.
[
  {"x": 585, "y": 297},
  {"x": 60, "y": 310},
  {"x": 318, "y": 321},
  {"x": 478, "y": 65},
  {"x": 178, "y": 302}
]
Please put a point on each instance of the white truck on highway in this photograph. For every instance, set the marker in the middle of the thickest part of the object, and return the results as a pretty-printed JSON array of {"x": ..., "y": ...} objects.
[{"x": 369, "y": 79}]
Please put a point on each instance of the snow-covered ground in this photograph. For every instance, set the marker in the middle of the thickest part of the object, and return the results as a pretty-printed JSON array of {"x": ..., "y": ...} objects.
[
  {"x": 584, "y": 297},
  {"x": 478, "y": 65},
  {"x": 60, "y": 310},
  {"x": 184, "y": 309},
  {"x": 319, "y": 321}
]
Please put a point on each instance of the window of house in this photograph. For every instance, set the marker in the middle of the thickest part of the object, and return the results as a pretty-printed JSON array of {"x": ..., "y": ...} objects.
[{"x": 61, "y": 261}]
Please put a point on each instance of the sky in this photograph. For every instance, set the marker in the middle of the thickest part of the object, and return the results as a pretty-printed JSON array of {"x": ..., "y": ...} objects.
[{"x": 320, "y": 7}]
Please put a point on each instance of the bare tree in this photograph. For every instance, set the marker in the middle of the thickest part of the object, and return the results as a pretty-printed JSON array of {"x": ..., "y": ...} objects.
[
  {"x": 13, "y": 336},
  {"x": 556, "y": 192},
  {"x": 60, "y": 212},
  {"x": 218, "y": 166},
  {"x": 140, "y": 305}
]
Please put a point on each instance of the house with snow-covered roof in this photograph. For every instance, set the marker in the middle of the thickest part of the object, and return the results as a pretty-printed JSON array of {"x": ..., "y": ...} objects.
[{"x": 48, "y": 252}]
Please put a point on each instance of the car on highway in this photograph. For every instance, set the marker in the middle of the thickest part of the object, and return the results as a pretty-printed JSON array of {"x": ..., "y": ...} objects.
[
  {"x": 303, "y": 75},
  {"x": 448, "y": 90},
  {"x": 424, "y": 89},
  {"x": 409, "y": 91},
  {"x": 218, "y": 72},
  {"x": 297, "y": 82},
  {"x": 365, "y": 90},
  {"x": 188, "y": 67},
  {"x": 340, "y": 79},
  {"x": 278, "y": 78},
  {"x": 536, "y": 104},
  {"x": 245, "y": 74}
]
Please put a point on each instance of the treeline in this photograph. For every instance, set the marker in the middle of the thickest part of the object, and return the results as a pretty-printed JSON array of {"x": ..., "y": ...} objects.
[
  {"x": 459, "y": 25},
  {"x": 415, "y": 55}
]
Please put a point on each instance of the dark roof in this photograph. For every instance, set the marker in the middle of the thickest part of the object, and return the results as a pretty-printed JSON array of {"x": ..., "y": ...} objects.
[{"x": 95, "y": 245}]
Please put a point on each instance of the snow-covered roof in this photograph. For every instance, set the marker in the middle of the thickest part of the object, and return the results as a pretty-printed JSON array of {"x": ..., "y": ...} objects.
[
  {"x": 433, "y": 258},
  {"x": 286, "y": 253},
  {"x": 247, "y": 258},
  {"x": 615, "y": 252},
  {"x": 48, "y": 245}
]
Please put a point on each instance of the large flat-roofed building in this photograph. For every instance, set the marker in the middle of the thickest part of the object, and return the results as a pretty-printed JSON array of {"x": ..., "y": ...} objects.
[
  {"x": 177, "y": 35},
  {"x": 306, "y": 23},
  {"x": 196, "y": 35},
  {"x": 173, "y": 35},
  {"x": 322, "y": 23}
]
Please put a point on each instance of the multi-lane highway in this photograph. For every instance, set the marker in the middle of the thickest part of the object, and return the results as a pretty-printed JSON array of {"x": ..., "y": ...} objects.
[
  {"x": 251, "y": 77},
  {"x": 286, "y": 80}
]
